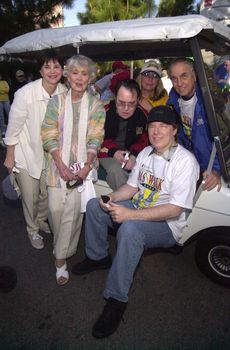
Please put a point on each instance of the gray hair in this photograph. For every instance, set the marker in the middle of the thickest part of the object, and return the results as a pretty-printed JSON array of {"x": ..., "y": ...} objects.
[
  {"x": 185, "y": 60},
  {"x": 80, "y": 61}
]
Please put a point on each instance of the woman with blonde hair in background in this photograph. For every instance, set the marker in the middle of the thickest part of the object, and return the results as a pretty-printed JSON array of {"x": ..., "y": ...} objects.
[
  {"x": 153, "y": 93},
  {"x": 72, "y": 133}
]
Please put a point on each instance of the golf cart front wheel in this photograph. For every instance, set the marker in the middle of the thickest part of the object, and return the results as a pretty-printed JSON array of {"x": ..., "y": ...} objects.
[{"x": 212, "y": 255}]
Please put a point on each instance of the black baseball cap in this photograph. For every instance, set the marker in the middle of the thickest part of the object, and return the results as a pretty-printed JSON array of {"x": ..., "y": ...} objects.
[{"x": 164, "y": 114}]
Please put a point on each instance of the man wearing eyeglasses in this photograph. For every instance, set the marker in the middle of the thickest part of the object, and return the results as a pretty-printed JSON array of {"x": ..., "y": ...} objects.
[{"x": 125, "y": 133}]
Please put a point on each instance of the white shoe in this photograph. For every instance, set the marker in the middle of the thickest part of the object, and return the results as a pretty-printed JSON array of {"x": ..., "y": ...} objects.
[
  {"x": 62, "y": 275},
  {"x": 36, "y": 241}
]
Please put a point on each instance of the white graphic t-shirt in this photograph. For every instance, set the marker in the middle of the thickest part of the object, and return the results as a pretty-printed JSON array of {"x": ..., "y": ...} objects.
[
  {"x": 187, "y": 108},
  {"x": 162, "y": 181}
]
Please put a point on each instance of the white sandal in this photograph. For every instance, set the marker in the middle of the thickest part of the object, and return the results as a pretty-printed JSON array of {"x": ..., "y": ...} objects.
[{"x": 62, "y": 275}]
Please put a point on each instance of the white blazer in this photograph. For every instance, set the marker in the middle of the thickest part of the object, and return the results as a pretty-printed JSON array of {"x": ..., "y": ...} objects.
[{"x": 24, "y": 127}]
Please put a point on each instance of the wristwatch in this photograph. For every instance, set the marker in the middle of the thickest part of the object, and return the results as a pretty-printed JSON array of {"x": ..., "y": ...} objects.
[{"x": 89, "y": 164}]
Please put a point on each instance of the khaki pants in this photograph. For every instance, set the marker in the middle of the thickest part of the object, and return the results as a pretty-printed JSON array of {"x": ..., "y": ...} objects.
[
  {"x": 116, "y": 176},
  {"x": 34, "y": 199},
  {"x": 65, "y": 220}
]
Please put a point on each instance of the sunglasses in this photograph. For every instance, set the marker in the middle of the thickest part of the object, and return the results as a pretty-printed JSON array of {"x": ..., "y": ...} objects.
[{"x": 150, "y": 74}]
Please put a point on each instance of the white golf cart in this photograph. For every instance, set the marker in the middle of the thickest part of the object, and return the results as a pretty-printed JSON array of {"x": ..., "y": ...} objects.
[{"x": 164, "y": 38}]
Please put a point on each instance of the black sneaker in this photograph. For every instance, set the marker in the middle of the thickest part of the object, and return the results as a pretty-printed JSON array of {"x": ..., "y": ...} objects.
[
  {"x": 89, "y": 265},
  {"x": 110, "y": 318}
]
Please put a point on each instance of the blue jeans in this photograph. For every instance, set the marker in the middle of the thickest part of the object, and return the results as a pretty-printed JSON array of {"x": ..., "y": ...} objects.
[
  {"x": 4, "y": 106},
  {"x": 133, "y": 237}
]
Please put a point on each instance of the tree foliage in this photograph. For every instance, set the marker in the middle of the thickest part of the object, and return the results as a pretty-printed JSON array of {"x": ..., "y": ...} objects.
[
  {"x": 168, "y": 8},
  {"x": 110, "y": 10},
  {"x": 21, "y": 16}
]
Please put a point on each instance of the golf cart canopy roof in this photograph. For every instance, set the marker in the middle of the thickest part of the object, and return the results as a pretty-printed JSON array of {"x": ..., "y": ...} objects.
[{"x": 130, "y": 40}]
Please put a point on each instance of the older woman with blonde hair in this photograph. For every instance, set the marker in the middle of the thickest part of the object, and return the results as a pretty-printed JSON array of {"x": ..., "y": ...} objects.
[
  {"x": 153, "y": 93},
  {"x": 72, "y": 133}
]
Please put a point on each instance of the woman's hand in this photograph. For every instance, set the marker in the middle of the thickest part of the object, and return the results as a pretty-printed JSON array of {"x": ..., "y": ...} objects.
[
  {"x": 65, "y": 173},
  {"x": 9, "y": 162},
  {"x": 84, "y": 172}
]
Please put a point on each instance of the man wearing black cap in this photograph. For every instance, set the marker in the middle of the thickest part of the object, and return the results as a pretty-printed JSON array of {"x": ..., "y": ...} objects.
[{"x": 149, "y": 211}]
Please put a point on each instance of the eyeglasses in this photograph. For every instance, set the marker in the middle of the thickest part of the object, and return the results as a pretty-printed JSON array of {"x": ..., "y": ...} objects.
[
  {"x": 150, "y": 74},
  {"x": 127, "y": 105}
]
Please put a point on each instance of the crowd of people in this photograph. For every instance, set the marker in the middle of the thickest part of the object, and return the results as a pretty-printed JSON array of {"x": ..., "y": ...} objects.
[
  {"x": 7, "y": 91},
  {"x": 153, "y": 143}
]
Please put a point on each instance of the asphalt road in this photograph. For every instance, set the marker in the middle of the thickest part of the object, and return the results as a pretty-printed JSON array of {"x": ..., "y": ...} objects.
[{"x": 172, "y": 305}]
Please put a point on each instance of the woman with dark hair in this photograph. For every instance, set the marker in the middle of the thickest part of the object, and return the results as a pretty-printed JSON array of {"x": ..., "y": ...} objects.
[{"x": 25, "y": 155}]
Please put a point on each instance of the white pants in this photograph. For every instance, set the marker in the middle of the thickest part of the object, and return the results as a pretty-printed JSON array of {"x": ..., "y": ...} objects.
[
  {"x": 34, "y": 199},
  {"x": 65, "y": 220}
]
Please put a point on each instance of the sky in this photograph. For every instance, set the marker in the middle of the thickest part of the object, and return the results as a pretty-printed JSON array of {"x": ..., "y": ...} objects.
[
  {"x": 79, "y": 6},
  {"x": 70, "y": 15}
]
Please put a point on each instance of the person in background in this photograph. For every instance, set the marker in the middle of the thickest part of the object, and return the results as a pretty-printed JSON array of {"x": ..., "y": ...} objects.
[
  {"x": 72, "y": 134},
  {"x": 103, "y": 83},
  {"x": 226, "y": 80},
  {"x": 186, "y": 98},
  {"x": 25, "y": 155},
  {"x": 125, "y": 133},
  {"x": 152, "y": 90},
  {"x": 166, "y": 81},
  {"x": 226, "y": 97},
  {"x": 149, "y": 211},
  {"x": 4, "y": 105},
  {"x": 20, "y": 81}
]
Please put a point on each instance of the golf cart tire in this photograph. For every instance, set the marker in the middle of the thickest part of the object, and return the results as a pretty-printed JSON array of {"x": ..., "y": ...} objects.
[{"x": 212, "y": 254}]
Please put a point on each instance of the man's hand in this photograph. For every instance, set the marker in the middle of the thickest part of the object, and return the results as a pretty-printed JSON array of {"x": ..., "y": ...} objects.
[
  {"x": 120, "y": 156},
  {"x": 119, "y": 213},
  {"x": 211, "y": 180},
  {"x": 105, "y": 205},
  {"x": 130, "y": 162}
]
